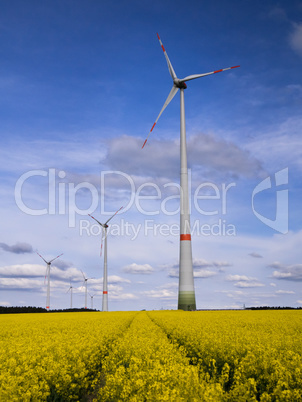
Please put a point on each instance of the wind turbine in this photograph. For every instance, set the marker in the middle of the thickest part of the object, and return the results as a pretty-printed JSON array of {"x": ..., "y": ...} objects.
[
  {"x": 70, "y": 289},
  {"x": 105, "y": 279},
  {"x": 186, "y": 291},
  {"x": 47, "y": 273},
  {"x": 85, "y": 284},
  {"x": 91, "y": 298}
]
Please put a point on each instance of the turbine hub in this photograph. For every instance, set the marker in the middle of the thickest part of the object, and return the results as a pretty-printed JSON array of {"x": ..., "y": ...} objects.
[{"x": 180, "y": 85}]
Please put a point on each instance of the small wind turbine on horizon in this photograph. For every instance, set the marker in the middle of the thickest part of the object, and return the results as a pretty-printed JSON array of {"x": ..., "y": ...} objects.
[
  {"x": 47, "y": 273},
  {"x": 186, "y": 291},
  {"x": 105, "y": 278},
  {"x": 70, "y": 290},
  {"x": 85, "y": 284},
  {"x": 91, "y": 298}
]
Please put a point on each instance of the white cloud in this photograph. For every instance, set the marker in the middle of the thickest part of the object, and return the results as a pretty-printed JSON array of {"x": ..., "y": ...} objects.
[
  {"x": 22, "y": 270},
  {"x": 248, "y": 284},
  {"x": 160, "y": 293},
  {"x": 174, "y": 273},
  {"x": 222, "y": 156},
  {"x": 256, "y": 255},
  {"x": 285, "y": 292},
  {"x": 117, "y": 279},
  {"x": 201, "y": 263},
  {"x": 204, "y": 273},
  {"x": 22, "y": 276},
  {"x": 282, "y": 275},
  {"x": 18, "y": 248},
  {"x": 204, "y": 151},
  {"x": 170, "y": 285},
  {"x": 134, "y": 268},
  {"x": 239, "y": 278},
  {"x": 295, "y": 38},
  {"x": 199, "y": 268},
  {"x": 280, "y": 142},
  {"x": 21, "y": 284},
  {"x": 197, "y": 273},
  {"x": 123, "y": 296},
  {"x": 235, "y": 294},
  {"x": 5, "y": 303},
  {"x": 278, "y": 14},
  {"x": 287, "y": 272}
]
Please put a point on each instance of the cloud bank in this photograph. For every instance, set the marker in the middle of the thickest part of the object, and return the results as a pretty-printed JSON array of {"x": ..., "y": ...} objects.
[{"x": 18, "y": 248}]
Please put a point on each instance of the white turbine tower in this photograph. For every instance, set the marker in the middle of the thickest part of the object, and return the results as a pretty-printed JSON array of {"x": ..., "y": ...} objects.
[
  {"x": 47, "y": 274},
  {"x": 105, "y": 279},
  {"x": 70, "y": 290},
  {"x": 85, "y": 284},
  {"x": 186, "y": 292}
]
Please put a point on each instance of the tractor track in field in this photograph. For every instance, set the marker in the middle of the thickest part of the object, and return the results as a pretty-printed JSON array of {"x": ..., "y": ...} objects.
[{"x": 141, "y": 359}]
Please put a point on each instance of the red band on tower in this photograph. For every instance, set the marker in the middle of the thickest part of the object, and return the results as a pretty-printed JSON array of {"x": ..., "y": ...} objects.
[
  {"x": 185, "y": 237},
  {"x": 105, "y": 292}
]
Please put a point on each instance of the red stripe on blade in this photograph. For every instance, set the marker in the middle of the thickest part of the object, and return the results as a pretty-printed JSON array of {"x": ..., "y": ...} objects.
[
  {"x": 218, "y": 71},
  {"x": 152, "y": 127},
  {"x": 162, "y": 46},
  {"x": 185, "y": 237},
  {"x": 144, "y": 144},
  {"x": 235, "y": 67}
]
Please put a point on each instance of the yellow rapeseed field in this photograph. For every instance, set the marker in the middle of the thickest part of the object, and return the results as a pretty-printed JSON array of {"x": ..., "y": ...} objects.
[{"x": 152, "y": 356}]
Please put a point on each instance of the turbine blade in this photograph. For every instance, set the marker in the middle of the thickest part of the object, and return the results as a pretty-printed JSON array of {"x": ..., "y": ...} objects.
[
  {"x": 83, "y": 275},
  {"x": 96, "y": 220},
  {"x": 171, "y": 95},
  {"x": 170, "y": 67},
  {"x": 41, "y": 257},
  {"x": 194, "y": 76},
  {"x": 113, "y": 216},
  {"x": 55, "y": 258}
]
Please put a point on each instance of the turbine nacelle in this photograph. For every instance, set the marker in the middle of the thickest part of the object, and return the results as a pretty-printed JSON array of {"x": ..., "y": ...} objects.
[{"x": 179, "y": 83}]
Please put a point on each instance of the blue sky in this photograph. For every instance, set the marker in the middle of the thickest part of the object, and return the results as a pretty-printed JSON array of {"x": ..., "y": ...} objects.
[{"x": 81, "y": 84}]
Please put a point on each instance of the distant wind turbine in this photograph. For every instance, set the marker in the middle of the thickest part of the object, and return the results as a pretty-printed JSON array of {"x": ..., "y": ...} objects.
[
  {"x": 85, "y": 284},
  {"x": 70, "y": 290},
  {"x": 91, "y": 298},
  {"x": 186, "y": 291},
  {"x": 47, "y": 274},
  {"x": 105, "y": 279}
]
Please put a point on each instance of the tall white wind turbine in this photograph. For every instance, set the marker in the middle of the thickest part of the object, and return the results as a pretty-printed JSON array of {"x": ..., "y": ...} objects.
[
  {"x": 105, "y": 278},
  {"x": 186, "y": 291},
  {"x": 47, "y": 274}
]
